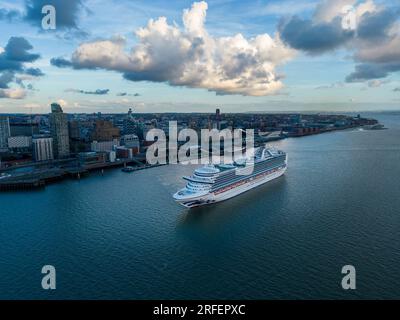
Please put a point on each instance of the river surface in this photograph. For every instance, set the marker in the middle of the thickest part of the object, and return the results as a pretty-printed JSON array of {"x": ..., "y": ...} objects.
[{"x": 121, "y": 235}]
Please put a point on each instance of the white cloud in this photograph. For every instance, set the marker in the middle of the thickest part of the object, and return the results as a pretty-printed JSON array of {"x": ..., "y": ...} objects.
[
  {"x": 62, "y": 103},
  {"x": 16, "y": 93},
  {"x": 331, "y": 86},
  {"x": 191, "y": 57},
  {"x": 327, "y": 10},
  {"x": 364, "y": 7},
  {"x": 376, "y": 83}
]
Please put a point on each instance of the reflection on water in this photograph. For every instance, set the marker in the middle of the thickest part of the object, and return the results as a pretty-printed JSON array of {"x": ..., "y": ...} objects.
[
  {"x": 211, "y": 217},
  {"x": 122, "y": 236}
]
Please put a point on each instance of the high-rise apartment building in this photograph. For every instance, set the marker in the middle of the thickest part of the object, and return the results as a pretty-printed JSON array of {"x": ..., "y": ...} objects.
[
  {"x": 4, "y": 133},
  {"x": 59, "y": 131}
]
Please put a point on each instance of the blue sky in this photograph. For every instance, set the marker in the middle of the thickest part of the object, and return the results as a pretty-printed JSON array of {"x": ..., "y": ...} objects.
[{"x": 306, "y": 63}]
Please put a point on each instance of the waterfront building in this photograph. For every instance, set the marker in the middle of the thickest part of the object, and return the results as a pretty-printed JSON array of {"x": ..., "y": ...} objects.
[
  {"x": 23, "y": 129},
  {"x": 295, "y": 119},
  {"x": 4, "y": 133},
  {"x": 112, "y": 156},
  {"x": 79, "y": 135},
  {"x": 104, "y": 146},
  {"x": 18, "y": 129},
  {"x": 74, "y": 129},
  {"x": 130, "y": 141},
  {"x": 124, "y": 153},
  {"x": 42, "y": 148},
  {"x": 88, "y": 158},
  {"x": 130, "y": 124},
  {"x": 59, "y": 131},
  {"x": 20, "y": 143},
  {"x": 104, "y": 131}
]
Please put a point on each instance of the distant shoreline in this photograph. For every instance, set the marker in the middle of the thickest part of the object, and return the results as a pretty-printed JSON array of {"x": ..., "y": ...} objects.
[
  {"x": 277, "y": 112},
  {"x": 35, "y": 180}
]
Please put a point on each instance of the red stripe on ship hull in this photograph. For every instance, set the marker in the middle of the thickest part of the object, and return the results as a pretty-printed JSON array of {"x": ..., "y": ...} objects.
[{"x": 237, "y": 184}]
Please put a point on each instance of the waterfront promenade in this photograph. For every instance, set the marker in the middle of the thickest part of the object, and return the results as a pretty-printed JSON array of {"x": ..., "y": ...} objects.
[{"x": 37, "y": 175}]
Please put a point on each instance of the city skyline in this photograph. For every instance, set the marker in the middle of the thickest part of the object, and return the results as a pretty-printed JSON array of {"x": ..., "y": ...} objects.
[{"x": 242, "y": 56}]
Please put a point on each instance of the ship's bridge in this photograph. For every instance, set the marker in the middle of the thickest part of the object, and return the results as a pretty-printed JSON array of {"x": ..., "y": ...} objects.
[{"x": 206, "y": 171}]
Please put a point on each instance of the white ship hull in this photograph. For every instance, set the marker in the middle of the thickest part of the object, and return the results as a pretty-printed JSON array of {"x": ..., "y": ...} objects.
[{"x": 231, "y": 191}]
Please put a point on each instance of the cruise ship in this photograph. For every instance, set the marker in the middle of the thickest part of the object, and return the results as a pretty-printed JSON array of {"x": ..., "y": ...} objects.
[{"x": 214, "y": 183}]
